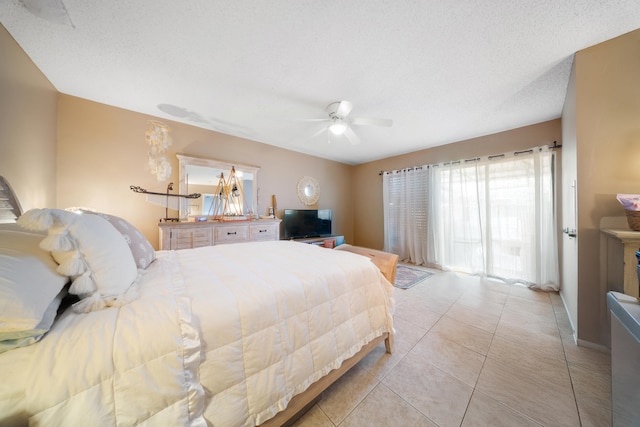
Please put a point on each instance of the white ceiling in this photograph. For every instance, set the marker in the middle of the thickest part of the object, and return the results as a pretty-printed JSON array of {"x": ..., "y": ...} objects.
[{"x": 443, "y": 71}]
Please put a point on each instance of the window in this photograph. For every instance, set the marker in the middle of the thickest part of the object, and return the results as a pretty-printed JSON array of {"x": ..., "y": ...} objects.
[{"x": 493, "y": 216}]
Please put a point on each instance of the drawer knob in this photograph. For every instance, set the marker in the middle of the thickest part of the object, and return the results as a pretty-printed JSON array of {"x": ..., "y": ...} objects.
[{"x": 230, "y": 233}]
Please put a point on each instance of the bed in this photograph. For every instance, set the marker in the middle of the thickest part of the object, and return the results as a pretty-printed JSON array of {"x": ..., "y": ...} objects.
[{"x": 233, "y": 335}]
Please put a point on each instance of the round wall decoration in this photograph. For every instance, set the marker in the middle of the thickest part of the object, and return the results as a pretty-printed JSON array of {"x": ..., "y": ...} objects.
[{"x": 308, "y": 190}]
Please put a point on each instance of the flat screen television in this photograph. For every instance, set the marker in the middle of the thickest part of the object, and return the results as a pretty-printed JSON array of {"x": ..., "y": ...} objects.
[{"x": 302, "y": 223}]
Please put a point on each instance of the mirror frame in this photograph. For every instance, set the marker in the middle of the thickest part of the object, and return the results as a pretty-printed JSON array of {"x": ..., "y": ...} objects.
[
  {"x": 184, "y": 161},
  {"x": 311, "y": 184}
]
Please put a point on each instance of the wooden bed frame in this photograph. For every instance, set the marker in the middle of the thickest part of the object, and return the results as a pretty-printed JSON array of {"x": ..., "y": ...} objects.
[{"x": 302, "y": 402}]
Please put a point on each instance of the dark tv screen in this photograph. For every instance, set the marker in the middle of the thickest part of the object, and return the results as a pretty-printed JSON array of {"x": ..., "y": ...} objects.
[{"x": 301, "y": 223}]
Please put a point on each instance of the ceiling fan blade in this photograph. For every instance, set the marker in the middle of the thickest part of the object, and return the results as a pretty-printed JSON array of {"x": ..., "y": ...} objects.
[
  {"x": 324, "y": 129},
  {"x": 315, "y": 120},
  {"x": 344, "y": 109},
  {"x": 351, "y": 136},
  {"x": 49, "y": 10},
  {"x": 371, "y": 121}
]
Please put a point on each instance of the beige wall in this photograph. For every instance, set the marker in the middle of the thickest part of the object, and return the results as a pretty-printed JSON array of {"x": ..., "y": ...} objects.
[
  {"x": 607, "y": 125},
  {"x": 27, "y": 126},
  {"x": 102, "y": 151},
  {"x": 367, "y": 183}
]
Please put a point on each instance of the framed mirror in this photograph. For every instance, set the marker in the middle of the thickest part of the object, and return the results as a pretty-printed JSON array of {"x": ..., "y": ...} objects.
[
  {"x": 308, "y": 190},
  {"x": 201, "y": 175}
]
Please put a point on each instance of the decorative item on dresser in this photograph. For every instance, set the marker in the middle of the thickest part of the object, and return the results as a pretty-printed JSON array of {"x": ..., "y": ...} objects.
[
  {"x": 164, "y": 199},
  {"x": 184, "y": 235},
  {"x": 227, "y": 199}
]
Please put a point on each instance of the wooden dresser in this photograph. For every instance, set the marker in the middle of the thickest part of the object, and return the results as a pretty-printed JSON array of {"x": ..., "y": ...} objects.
[{"x": 184, "y": 235}]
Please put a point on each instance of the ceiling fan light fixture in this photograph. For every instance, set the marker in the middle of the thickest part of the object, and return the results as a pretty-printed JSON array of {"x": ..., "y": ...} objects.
[{"x": 338, "y": 127}]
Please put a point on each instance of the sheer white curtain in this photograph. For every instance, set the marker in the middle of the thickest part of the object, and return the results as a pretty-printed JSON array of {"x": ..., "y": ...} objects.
[
  {"x": 495, "y": 216},
  {"x": 405, "y": 213}
]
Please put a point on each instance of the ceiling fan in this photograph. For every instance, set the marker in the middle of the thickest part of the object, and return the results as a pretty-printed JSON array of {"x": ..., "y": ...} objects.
[{"x": 340, "y": 123}]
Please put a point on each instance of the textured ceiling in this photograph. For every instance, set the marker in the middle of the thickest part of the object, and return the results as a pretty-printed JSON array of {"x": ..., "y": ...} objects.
[{"x": 443, "y": 71}]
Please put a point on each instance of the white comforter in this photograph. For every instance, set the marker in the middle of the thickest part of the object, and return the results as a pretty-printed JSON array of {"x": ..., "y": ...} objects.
[{"x": 227, "y": 334}]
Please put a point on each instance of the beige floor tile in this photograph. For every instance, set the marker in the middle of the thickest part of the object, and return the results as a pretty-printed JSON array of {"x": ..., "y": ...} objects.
[
  {"x": 593, "y": 394},
  {"x": 548, "y": 345},
  {"x": 489, "y": 284},
  {"x": 482, "y": 320},
  {"x": 530, "y": 294},
  {"x": 564, "y": 325},
  {"x": 522, "y": 323},
  {"x": 401, "y": 295},
  {"x": 567, "y": 336},
  {"x": 542, "y": 309},
  {"x": 593, "y": 415},
  {"x": 546, "y": 402},
  {"x": 588, "y": 358},
  {"x": 591, "y": 384},
  {"x": 313, "y": 418},
  {"x": 484, "y": 411},
  {"x": 382, "y": 408},
  {"x": 378, "y": 362},
  {"x": 417, "y": 313},
  {"x": 452, "y": 358},
  {"x": 481, "y": 305},
  {"x": 536, "y": 356},
  {"x": 431, "y": 302},
  {"x": 407, "y": 334},
  {"x": 556, "y": 300},
  {"x": 346, "y": 393},
  {"x": 558, "y": 304},
  {"x": 482, "y": 294},
  {"x": 430, "y": 390},
  {"x": 447, "y": 284},
  {"x": 466, "y": 335}
]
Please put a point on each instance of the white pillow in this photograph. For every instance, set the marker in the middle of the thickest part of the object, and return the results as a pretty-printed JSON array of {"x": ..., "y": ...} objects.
[
  {"x": 28, "y": 281},
  {"x": 11, "y": 340},
  {"x": 142, "y": 251},
  {"x": 90, "y": 251}
]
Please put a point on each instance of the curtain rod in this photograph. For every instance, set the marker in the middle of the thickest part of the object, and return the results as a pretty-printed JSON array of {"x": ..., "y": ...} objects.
[{"x": 496, "y": 156}]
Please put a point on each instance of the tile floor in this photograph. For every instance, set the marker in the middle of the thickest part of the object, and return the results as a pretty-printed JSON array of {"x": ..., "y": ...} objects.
[{"x": 473, "y": 352}]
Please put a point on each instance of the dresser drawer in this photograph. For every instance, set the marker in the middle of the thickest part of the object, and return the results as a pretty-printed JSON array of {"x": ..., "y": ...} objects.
[
  {"x": 231, "y": 233},
  {"x": 183, "y": 238},
  {"x": 269, "y": 231}
]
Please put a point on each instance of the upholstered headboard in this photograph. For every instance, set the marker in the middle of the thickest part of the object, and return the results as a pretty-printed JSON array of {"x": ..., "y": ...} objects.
[{"x": 10, "y": 208}]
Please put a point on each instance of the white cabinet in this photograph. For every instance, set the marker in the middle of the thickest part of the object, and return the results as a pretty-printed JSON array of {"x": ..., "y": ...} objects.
[{"x": 184, "y": 235}]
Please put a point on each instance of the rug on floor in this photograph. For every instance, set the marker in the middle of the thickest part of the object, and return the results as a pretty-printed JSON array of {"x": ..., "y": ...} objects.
[{"x": 407, "y": 277}]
